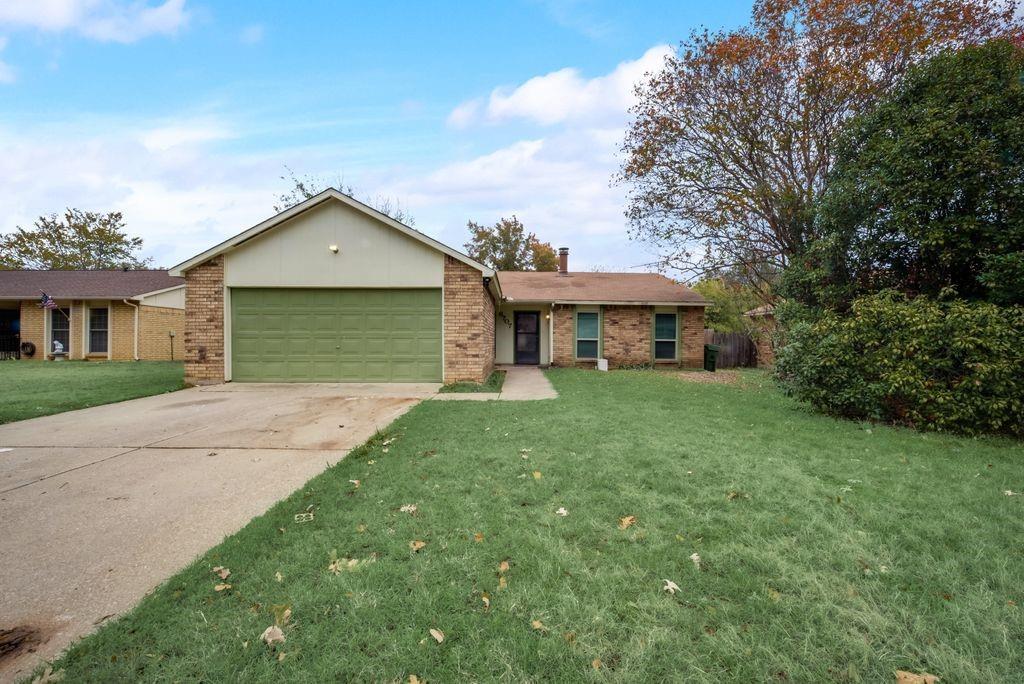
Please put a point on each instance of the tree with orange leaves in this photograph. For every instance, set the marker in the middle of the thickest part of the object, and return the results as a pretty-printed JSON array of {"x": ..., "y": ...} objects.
[{"x": 733, "y": 142}]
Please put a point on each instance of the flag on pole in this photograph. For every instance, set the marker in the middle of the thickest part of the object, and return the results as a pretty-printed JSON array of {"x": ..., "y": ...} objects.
[{"x": 46, "y": 302}]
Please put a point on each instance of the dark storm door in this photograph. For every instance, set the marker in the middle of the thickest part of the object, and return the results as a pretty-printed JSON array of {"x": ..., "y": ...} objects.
[{"x": 527, "y": 337}]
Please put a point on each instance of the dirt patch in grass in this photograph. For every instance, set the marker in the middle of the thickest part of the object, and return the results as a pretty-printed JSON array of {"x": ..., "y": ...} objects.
[{"x": 722, "y": 377}]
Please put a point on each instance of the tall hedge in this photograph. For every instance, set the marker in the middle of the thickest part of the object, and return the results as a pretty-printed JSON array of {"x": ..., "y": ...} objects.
[{"x": 939, "y": 365}]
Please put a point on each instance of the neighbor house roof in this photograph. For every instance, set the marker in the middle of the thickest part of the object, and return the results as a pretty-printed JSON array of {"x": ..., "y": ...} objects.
[
  {"x": 764, "y": 310},
  {"x": 84, "y": 284},
  {"x": 612, "y": 288},
  {"x": 301, "y": 207}
]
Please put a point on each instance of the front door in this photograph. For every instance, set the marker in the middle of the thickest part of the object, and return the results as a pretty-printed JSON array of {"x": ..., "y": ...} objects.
[{"x": 527, "y": 337}]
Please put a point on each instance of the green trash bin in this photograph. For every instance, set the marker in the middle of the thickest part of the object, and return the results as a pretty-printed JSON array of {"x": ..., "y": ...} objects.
[{"x": 711, "y": 356}]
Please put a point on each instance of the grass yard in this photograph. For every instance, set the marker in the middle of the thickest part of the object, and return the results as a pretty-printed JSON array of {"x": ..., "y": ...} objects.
[
  {"x": 32, "y": 389},
  {"x": 828, "y": 551},
  {"x": 493, "y": 384}
]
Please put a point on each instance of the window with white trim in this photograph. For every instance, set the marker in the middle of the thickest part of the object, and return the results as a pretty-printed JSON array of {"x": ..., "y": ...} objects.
[
  {"x": 588, "y": 330},
  {"x": 60, "y": 329},
  {"x": 99, "y": 320},
  {"x": 665, "y": 337}
]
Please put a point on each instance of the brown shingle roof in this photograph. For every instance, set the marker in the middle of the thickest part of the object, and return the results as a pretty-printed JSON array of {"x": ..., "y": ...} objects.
[
  {"x": 550, "y": 286},
  {"x": 83, "y": 284}
]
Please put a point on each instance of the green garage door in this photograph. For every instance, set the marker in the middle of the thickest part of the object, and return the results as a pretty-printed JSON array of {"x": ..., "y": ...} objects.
[{"x": 280, "y": 335}]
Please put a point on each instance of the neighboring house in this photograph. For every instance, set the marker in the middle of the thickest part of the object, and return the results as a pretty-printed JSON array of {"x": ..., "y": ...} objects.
[
  {"x": 762, "y": 321},
  {"x": 100, "y": 315},
  {"x": 331, "y": 290}
]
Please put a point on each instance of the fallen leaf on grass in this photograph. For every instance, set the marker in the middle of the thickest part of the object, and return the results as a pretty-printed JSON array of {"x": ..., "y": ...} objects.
[
  {"x": 282, "y": 614},
  {"x": 904, "y": 677},
  {"x": 356, "y": 483},
  {"x": 360, "y": 528},
  {"x": 539, "y": 626},
  {"x": 281, "y": 656},
  {"x": 416, "y": 545},
  {"x": 479, "y": 536},
  {"x": 1009, "y": 492},
  {"x": 221, "y": 587},
  {"x": 627, "y": 521},
  {"x": 774, "y": 594},
  {"x": 596, "y": 663},
  {"x": 736, "y": 495},
  {"x": 278, "y": 576},
  {"x": 437, "y": 634},
  {"x": 413, "y": 679},
  {"x": 695, "y": 557},
  {"x": 222, "y": 572},
  {"x": 502, "y": 583},
  {"x": 536, "y": 475},
  {"x": 486, "y": 598},
  {"x": 670, "y": 586},
  {"x": 272, "y": 635},
  {"x": 562, "y": 512},
  {"x": 408, "y": 508},
  {"x": 503, "y": 566}
]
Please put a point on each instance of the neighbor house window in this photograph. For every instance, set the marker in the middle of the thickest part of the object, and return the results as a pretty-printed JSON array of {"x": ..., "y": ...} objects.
[
  {"x": 98, "y": 328},
  {"x": 588, "y": 328},
  {"x": 665, "y": 337},
  {"x": 60, "y": 329}
]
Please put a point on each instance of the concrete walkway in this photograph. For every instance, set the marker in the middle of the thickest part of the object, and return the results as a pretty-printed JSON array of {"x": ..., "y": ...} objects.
[{"x": 522, "y": 383}]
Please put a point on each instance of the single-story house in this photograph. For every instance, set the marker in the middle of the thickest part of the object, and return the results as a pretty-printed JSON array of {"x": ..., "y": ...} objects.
[
  {"x": 331, "y": 290},
  {"x": 108, "y": 315}
]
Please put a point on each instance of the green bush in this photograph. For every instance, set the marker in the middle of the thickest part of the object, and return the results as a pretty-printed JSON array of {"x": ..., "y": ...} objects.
[{"x": 930, "y": 364}]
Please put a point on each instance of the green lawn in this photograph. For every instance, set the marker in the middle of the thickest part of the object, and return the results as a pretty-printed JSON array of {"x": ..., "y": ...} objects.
[
  {"x": 493, "y": 384},
  {"x": 829, "y": 551},
  {"x": 32, "y": 388}
]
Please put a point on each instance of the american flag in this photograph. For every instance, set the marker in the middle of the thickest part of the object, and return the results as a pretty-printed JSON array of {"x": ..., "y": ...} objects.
[{"x": 46, "y": 301}]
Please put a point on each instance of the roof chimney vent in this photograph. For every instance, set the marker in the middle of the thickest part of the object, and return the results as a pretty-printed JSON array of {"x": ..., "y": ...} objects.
[{"x": 563, "y": 260}]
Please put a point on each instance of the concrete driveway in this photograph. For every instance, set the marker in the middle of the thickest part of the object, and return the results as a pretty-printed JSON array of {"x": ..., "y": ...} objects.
[{"x": 99, "y": 506}]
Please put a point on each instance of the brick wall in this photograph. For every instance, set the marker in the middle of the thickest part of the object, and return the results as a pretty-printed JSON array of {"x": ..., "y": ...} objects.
[
  {"x": 563, "y": 332},
  {"x": 468, "y": 324},
  {"x": 122, "y": 332},
  {"x": 155, "y": 324},
  {"x": 32, "y": 328},
  {"x": 691, "y": 336},
  {"x": 204, "y": 323},
  {"x": 77, "y": 326},
  {"x": 627, "y": 335}
]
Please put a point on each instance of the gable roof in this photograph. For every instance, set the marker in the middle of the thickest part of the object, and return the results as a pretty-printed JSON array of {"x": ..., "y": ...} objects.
[
  {"x": 301, "y": 207},
  {"x": 612, "y": 288},
  {"x": 85, "y": 284}
]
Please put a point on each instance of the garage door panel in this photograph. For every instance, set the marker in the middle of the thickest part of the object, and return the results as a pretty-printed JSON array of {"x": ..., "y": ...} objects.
[{"x": 324, "y": 335}]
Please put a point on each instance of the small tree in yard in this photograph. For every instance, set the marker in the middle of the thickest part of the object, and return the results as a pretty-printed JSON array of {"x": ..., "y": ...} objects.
[
  {"x": 734, "y": 141},
  {"x": 77, "y": 240},
  {"x": 927, "y": 196},
  {"x": 506, "y": 246}
]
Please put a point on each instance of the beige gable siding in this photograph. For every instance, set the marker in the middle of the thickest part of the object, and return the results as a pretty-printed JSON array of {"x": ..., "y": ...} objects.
[
  {"x": 172, "y": 299},
  {"x": 370, "y": 254}
]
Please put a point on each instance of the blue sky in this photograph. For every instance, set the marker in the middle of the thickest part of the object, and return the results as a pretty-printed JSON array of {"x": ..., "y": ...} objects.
[{"x": 183, "y": 114}]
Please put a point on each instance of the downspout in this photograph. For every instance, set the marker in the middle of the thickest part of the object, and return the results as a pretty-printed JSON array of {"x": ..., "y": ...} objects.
[
  {"x": 551, "y": 336},
  {"x": 135, "y": 334}
]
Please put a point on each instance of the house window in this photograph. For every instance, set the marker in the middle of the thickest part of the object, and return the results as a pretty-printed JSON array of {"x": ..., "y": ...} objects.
[
  {"x": 60, "y": 329},
  {"x": 98, "y": 328},
  {"x": 587, "y": 333},
  {"x": 665, "y": 337}
]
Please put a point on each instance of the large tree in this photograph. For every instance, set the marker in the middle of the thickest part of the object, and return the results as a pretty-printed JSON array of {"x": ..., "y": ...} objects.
[
  {"x": 304, "y": 187},
  {"x": 927, "y": 195},
  {"x": 733, "y": 141},
  {"x": 506, "y": 246},
  {"x": 76, "y": 240}
]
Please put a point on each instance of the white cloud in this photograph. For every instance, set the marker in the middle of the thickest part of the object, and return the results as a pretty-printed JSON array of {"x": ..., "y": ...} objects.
[
  {"x": 252, "y": 34},
  {"x": 162, "y": 138},
  {"x": 7, "y": 74},
  {"x": 564, "y": 96},
  {"x": 120, "y": 21}
]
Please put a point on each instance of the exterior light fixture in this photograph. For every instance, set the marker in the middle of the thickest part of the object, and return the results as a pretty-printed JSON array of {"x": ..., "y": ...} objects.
[{"x": 333, "y": 248}]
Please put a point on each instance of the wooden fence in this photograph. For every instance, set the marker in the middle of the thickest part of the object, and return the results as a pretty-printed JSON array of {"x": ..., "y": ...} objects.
[{"x": 737, "y": 349}]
